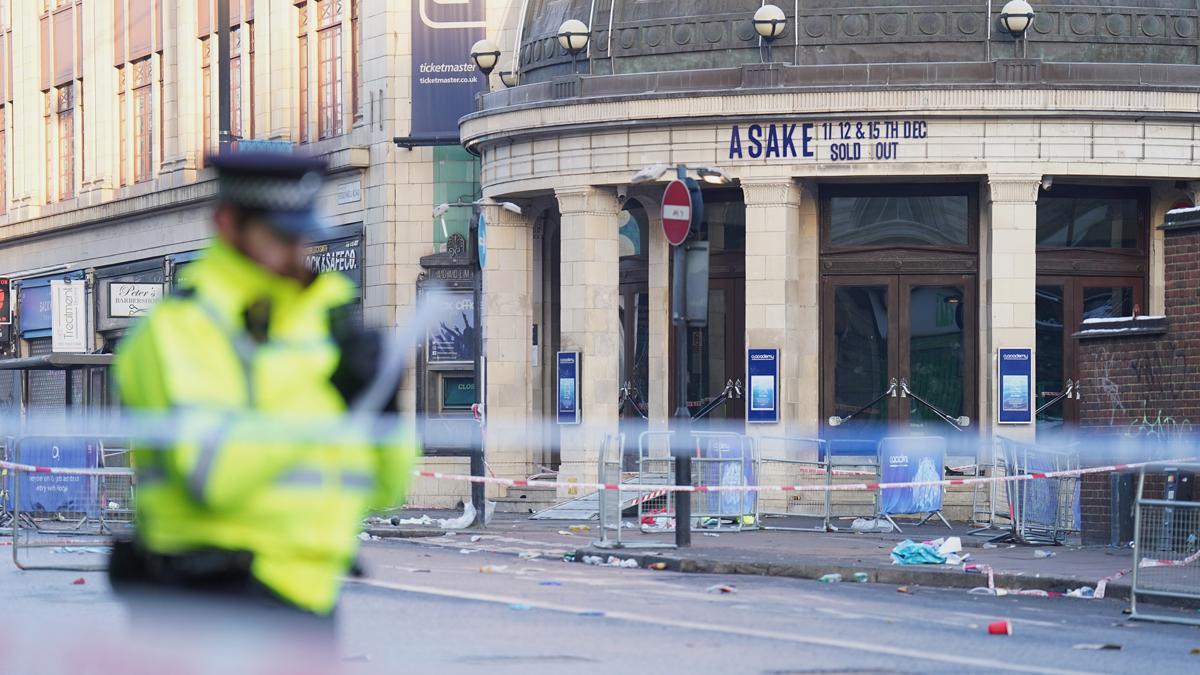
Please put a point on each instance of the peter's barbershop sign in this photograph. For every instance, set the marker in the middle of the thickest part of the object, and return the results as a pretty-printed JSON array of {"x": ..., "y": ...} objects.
[{"x": 843, "y": 141}]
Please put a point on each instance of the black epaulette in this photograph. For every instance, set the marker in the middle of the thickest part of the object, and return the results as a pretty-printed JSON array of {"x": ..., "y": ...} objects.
[{"x": 182, "y": 292}]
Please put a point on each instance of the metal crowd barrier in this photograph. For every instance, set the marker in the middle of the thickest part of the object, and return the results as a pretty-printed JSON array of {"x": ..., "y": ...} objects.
[
  {"x": 983, "y": 518},
  {"x": 790, "y": 469},
  {"x": 721, "y": 458},
  {"x": 1166, "y": 554},
  {"x": 67, "y": 521},
  {"x": 1043, "y": 511}
]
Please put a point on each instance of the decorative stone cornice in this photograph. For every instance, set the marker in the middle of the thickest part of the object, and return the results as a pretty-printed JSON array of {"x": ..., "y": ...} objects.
[
  {"x": 770, "y": 192},
  {"x": 587, "y": 200},
  {"x": 1016, "y": 189},
  {"x": 497, "y": 216}
]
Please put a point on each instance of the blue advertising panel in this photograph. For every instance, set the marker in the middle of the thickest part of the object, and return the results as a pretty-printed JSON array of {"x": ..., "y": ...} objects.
[
  {"x": 482, "y": 242},
  {"x": 34, "y": 308},
  {"x": 568, "y": 388},
  {"x": 444, "y": 78},
  {"x": 762, "y": 376},
  {"x": 1016, "y": 386},
  {"x": 911, "y": 460},
  {"x": 55, "y": 493}
]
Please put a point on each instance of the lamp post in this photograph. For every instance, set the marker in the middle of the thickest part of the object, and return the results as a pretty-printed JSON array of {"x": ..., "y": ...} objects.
[
  {"x": 509, "y": 78},
  {"x": 1015, "y": 18},
  {"x": 769, "y": 23},
  {"x": 681, "y": 420},
  {"x": 485, "y": 54},
  {"x": 573, "y": 37}
]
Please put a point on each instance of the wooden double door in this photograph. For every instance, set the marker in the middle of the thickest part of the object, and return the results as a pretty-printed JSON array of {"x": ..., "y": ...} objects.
[{"x": 914, "y": 329}]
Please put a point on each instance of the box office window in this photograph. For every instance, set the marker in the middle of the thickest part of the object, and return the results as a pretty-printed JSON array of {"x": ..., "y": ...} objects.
[
  {"x": 458, "y": 393},
  {"x": 899, "y": 216}
]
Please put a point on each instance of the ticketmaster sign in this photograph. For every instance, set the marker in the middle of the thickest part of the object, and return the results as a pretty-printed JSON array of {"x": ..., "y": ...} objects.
[{"x": 444, "y": 80}]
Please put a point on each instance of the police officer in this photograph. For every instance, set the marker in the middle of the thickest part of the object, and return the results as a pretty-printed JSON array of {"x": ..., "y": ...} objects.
[{"x": 250, "y": 346}]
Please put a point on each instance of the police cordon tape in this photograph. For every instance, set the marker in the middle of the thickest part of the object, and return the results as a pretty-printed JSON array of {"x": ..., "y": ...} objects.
[{"x": 635, "y": 487}]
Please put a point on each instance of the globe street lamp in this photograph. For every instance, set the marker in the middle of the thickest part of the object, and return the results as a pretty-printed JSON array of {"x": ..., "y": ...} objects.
[
  {"x": 769, "y": 23},
  {"x": 1015, "y": 18},
  {"x": 573, "y": 37},
  {"x": 485, "y": 54},
  {"x": 509, "y": 78}
]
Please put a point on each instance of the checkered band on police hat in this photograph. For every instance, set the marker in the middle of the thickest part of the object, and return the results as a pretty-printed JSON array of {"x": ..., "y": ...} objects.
[{"x": 271, "y": 193}]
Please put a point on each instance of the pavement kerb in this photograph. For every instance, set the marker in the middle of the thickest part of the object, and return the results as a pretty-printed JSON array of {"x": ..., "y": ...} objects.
[{"x": 890, "y": 575}]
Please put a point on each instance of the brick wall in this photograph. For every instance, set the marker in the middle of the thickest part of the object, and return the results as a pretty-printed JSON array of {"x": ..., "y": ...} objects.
[{"x": 1139, "y": 382}]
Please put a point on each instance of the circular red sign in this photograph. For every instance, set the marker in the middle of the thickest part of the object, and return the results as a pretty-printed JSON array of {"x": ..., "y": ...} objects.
[{"x": 677, "y": 212}]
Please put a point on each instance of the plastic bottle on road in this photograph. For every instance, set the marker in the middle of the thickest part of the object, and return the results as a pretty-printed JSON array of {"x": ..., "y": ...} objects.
[{"x": 830, "y": 578}]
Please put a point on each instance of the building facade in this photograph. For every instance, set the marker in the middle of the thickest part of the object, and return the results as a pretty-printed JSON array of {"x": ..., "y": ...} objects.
[
  {"x": 109, "y": 108},
  {"x": 913, "y": 189}
]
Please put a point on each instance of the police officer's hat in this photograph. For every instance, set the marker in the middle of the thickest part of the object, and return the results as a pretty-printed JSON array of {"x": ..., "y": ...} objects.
[{"x": 282, "y": 188}]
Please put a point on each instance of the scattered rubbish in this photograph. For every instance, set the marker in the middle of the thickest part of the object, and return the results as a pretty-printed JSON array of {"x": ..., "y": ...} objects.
[
  {"x": 874, "y": 525},
  {"x": 657, "y": 566},
  {"x": 566, "y": 533},
  {"x": 861, "y": 577},
  {"x": 1098, "y": 647},
  {"x": 97, "y": 550},
  {"x": 710, "y": 522},
  {"x": 475, "y": 538},
  {"x": 520, "y": 607},
  {"x": 710, "y": 534},
  {"x": 989, "y": 545},
  {"x": 1043, "y": 554},
  {"x": 1000, "y": 628},
  {"x": 529, "y": 555},
  {"x": 580, "y": 528},
  {"x": 113, "y": 506},
  {"x": 956, "y": 559},
  {"x": 908, "y": 552},
  {"x": 422, "y": 571},
  {"x": 593, "y": 560},
  {"x": 493, "y": 569},
  {"x": 722, "y": 589},
  {"x": 627, "y": 525},
  {"x": 450, "y": 534},
  {"x": 591, "y": 612},
  {"x": 949, "y": 545},
  {"x": 902, "y": 589},
  {"x": 79, "y": 582},
  {"x": 747, "y": 520},
  {"x": 466, "y": 551},
  {"x": 363, "y": 536},
  {"x": 550, "y": 582},
  {"x": 462, "y": 522},
  {"x": 614, "y": 561},
  {"x": 568, "y": 557},
  {"x": 1085, "y": 592},
  {"x": 423, "y": 520},
  {"x": 830, "y": 578}
]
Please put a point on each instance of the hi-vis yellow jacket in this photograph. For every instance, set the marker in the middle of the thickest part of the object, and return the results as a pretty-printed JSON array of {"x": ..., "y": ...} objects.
[{"x": 231, "y": 480}]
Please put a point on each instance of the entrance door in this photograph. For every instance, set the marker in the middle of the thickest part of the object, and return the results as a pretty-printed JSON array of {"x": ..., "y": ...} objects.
[
  {"x": 1063, "y": 304},
  {"x": 913, "y": 329}
]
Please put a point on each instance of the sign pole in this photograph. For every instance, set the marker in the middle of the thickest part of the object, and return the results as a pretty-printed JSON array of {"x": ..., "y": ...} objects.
[{"x": 677, "y": 224}]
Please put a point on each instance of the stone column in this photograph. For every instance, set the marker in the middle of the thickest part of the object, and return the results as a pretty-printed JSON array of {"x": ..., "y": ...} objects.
[
  {"x": 659, "y": 406},
  {"x": 781, "y": 310},
  {"x": 1011, "y": 283},
  {"x": 589, "y": 260},
  {"x": 507, "y": 317}
]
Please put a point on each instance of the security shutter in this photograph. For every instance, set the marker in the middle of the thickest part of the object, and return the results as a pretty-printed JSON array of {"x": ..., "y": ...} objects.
[{"x": 47, "y": 388}]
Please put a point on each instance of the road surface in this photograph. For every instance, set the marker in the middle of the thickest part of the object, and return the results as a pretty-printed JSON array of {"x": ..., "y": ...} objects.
[{"x": 429, "y": 609}]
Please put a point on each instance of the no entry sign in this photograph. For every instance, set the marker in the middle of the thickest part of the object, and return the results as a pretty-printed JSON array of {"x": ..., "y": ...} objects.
[{"x": 677, "y": 212}]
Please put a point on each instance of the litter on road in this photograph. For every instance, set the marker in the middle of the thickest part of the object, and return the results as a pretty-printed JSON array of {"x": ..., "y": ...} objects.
[
  {"x": 657, "y": 566},
  {"x": 830, "y": 578},
  {"x": 1108, "y": 646},
  {"x": 550, "y": 582},
  {"x": 493, "y": 569},
  {"x": 1000, "y": 628},
  {"x": 909, "y": 552},
  {"x": 1044, "y": 554},
  {"x": 722, "y": 589},
  {"x": 79, "y": 582},
  {"x": 520, "y": 607},
  {"x": 861, "y": 577}
]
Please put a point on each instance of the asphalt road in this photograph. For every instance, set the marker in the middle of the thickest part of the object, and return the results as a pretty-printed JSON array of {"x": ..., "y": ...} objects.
[{"x": 429, "y": 609}]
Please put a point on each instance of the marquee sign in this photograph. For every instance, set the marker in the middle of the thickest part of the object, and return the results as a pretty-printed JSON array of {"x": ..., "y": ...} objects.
[{"x": 841, "y": 141}]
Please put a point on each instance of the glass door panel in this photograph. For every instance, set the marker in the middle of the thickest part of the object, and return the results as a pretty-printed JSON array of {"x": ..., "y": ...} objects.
[
  {"x": 861, "y": 351},
  {"x": 1051, "y": 352},
  {"x": 937, "y": 354}
]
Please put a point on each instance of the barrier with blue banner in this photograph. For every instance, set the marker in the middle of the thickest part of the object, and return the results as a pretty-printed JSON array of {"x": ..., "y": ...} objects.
[
  {"x": 911, "y": 460},
  {"x": 54, "y": 493}
]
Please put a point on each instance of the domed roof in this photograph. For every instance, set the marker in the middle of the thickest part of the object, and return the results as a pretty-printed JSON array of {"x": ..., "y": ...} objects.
[{"x": 660, "y": 35}]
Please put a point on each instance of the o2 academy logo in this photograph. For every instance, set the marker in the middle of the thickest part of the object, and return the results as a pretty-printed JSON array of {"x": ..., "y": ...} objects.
[{"x": 773, "y": 140}]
